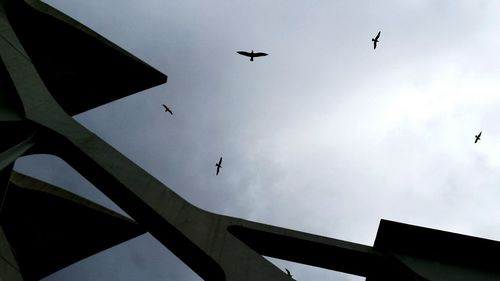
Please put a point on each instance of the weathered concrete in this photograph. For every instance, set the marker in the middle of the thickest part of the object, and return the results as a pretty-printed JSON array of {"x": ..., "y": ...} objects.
[
  {"x": 9, "y": 269},
  {"x": 439, "y": 255},
  {"x": 69, "y": 58},
  {"x": 49, "y": 228}
]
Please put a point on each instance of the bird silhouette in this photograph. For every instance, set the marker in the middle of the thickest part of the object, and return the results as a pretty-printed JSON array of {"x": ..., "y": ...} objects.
[
  {"x": 167, "y": 109},
  {"x": 288, "y": 272},
  {"x": 375, "y": 40},
  {"x": 252, "y": 54},
  {"x": 219, "y": 166},
  {"x": 478, "y": 137}
]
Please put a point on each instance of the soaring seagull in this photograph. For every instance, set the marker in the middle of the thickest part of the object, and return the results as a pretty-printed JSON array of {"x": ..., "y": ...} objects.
[
  {"x": 375, "y": 40},
  {"x": 478, "y": 137},
  {"x": 167, "y": 109},
  {"x": 288, "y": 272},
  {"x": 252, "y": 54},
  {"x": 218, "y": 166}
]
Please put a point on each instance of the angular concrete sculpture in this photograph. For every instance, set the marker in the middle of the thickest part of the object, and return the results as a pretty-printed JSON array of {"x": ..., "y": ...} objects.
[
  {"x": 53, "y": 67},
  {"x": 49, "y": 228}
]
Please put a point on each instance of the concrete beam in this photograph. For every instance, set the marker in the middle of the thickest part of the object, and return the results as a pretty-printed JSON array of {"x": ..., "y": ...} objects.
[{"x": 9, "y": 269}]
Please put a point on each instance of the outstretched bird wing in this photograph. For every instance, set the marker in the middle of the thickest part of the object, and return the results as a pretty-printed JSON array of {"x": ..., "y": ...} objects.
[
  {"x": 478, "y": 137},
  {"x": 374, "y": 45},
  {"x": 218, "y": 166},
  {"x": 259, "y": 54},
  {"x": 167, "y": 109},
  {"x": 244, "y": 53},
  {"x": 378, "y": 35}
]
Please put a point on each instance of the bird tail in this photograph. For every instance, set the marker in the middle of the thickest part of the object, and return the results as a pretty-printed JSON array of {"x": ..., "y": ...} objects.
[{"x": 251, "y": 58}]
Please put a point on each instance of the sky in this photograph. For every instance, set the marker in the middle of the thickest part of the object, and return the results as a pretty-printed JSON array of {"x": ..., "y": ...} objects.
[{"x": 325, "y": 135}]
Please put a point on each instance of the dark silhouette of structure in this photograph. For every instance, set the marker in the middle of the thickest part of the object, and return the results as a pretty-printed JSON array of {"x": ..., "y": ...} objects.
[
  {"x": 251, "y": 54},
  {"x": 46, "y": 77},
  {"x": 375, "y": 40},
  {"x": 167, "y": 109},
  {"x": 478, "y": 137},
  {"x": 49, "y": 228},
  {"x": 219, "y": 166}
]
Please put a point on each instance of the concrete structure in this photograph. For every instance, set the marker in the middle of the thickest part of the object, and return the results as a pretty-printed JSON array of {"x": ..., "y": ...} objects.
[
  {"x": 49, "y": 228},
  {"x": 52, "y": 68}
]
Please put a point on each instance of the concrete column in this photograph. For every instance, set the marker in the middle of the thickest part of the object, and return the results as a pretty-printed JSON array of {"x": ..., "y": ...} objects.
[{"x": 9, "y": 270}]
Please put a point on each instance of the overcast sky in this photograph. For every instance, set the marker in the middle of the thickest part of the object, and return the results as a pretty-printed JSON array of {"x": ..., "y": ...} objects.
[{"x": 325, "y": 135}]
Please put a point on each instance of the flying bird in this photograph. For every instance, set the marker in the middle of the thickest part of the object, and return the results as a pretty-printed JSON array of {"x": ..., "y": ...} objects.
[
  {"x": 219, "y": 165},
  {"x": 252, "y": 54},
  {"x": 288, "y": 272},
  {"x": 375, "y": 40},
  {"x": 478, "y": 137},
  {"x": 167, "y": 109}
]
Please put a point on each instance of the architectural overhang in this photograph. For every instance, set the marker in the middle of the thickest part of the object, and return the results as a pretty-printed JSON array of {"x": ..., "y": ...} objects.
[
  {"x": 80, "y": 68},
  {"x": 49, "y": 228},
  {"x": 432, "y": 253}
]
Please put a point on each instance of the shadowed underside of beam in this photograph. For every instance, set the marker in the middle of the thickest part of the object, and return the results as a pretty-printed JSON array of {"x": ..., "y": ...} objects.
[
  {"x": 49, "y": 228},
  {"x": 438, "y": 255},
  {"x": 81, "y": 69}
]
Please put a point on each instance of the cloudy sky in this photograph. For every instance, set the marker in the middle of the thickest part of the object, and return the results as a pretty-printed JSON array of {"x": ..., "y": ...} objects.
[{"x": 325, "y": 135}]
